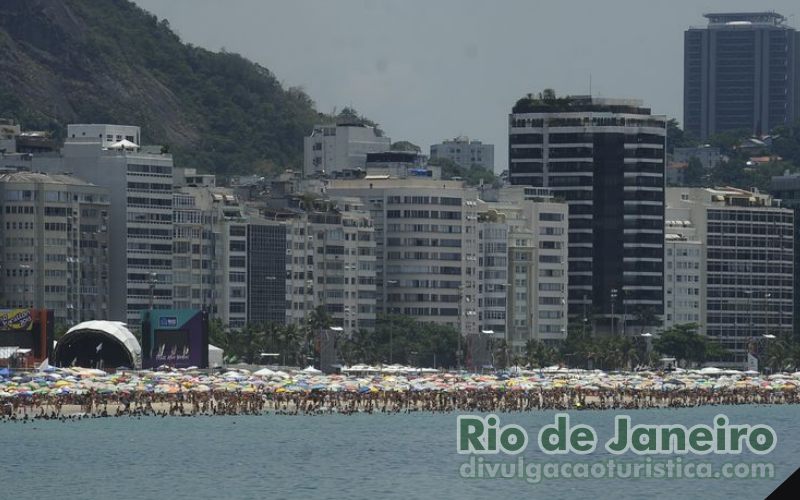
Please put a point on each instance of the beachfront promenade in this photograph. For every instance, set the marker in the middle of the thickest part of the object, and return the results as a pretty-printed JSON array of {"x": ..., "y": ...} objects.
[{"x": 79, "y": 393}]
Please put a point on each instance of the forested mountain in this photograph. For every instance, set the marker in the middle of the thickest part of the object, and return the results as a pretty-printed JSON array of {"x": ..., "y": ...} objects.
[{"x": 109, "y": 61}]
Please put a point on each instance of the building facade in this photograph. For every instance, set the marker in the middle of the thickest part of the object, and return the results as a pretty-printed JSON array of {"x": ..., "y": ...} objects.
[
  {"x": 465, "y": 153},
  {"x": 210, "y": 253},
  {"x": 332, "y": 149},
  {"x": 748, "y": 253},
  {"x": 54, "y": 245},
  {"x": 786, "y": 188},
  {"x": 684, "y": 276},
  {"x": 266, "y": 271},
  {"x": 140, "y": 182},
  {"x": 426, "y": 237},
  {"x": 606, "y": 158},
  {"x": 523, "y": 268},
  {"x": 330, "y": 263},
  {"x": 742, "y": 71}
]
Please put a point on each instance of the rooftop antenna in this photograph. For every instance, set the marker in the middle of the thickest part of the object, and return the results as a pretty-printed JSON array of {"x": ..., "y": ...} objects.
[{"x": 590, "y": 85}]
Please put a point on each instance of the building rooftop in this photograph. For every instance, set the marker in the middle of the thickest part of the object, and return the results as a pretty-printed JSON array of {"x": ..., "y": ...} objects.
[
  {"x": 744, "y": 18},
  {"x": 40, "y": 178},
  {"x": 579, "y": 103}
]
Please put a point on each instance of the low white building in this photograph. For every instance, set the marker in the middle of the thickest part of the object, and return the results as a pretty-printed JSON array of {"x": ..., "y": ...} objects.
[
  {"x": 465, "y": 153},
  {"x": 331, "y": 149}
]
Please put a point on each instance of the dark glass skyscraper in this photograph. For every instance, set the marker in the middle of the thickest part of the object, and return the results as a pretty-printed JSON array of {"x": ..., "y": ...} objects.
[
  {"x": 605, "y": 157},
  {"x": 741, "y": 72},
  {"x": 266, "y": 272}
]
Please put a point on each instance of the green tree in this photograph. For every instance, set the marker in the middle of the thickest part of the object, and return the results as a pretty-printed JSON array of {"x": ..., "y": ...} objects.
[
  {"x": 290, "y": 346},
  {"x": 473, "y": 176},
  {"x": 694, "y": 173},
  {"x": 685, "y": 344},
  {"x": 501, "y": 354},
  {"x": 786, "y": 143},
  {"x": 406, "y": 146},
  {"x": 539, "y": 354},
  {"x": 677, "y": 137},
  {"x": 780, "y": 353}
]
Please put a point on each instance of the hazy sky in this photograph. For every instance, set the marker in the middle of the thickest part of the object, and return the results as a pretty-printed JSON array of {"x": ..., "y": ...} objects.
[{"x": 428, "y": 70}]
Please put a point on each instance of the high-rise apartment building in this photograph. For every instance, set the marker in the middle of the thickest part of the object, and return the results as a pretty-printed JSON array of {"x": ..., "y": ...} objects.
[
  {"x": 330, "y": 263},
  {"x": 747, "y": 257},
  {"x": 426, "y": 237},
  {"x": 606, "y": 158},
  {"x": 210, "y": 252},
  {"x": 139, "y": 181},
  {"x": 335, "y": 148},
  {"x": 54, "y": 245},
  {"x": 786, "y": 188},
  {"x": 266, "y": 270},
  {"x": 522, "y": 270},
  {"x": 741, "y": 72},
  {"x": 465, "y": 153}
]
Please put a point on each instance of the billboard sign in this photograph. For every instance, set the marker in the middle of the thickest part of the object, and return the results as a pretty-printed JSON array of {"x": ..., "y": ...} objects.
[
  {"x": 175, "y": 337},
  {"x": 15, "y": 319},
  {"x": 168, "y": 321}
]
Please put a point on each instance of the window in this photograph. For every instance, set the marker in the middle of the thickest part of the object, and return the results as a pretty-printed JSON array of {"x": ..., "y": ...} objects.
[{"x": 552, "y": 217}]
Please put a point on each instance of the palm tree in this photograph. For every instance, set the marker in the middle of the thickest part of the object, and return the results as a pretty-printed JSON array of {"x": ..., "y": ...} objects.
[
  {"x": 288, "y": 343},
  {"x": 779, "y": 356},
  {"x": 538, "y": 353},
  {"x": 500, "y": 353}
]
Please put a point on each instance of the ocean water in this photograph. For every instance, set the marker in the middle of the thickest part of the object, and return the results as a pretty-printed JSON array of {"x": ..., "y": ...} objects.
[{"x": 372, "y": 457}]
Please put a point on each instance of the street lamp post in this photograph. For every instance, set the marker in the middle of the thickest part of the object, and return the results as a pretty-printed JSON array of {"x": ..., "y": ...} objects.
[
  {"x": 613, "y": 301},
  {"x": 152, "y": 281},
  {"x": 26, "y": 270},
  {"x": 385, "y": 308},
  {"x": 624, "y": 311},
  {"x": 460, "y": 325},
  {"x": 750, "y": 312},
  {"x": 767, "y": 310},
  {"x": 585, "y": 318}
]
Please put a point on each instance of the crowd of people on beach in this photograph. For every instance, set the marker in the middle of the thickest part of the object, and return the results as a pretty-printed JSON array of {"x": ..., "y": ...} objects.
[{"x": 93, "y": 405}]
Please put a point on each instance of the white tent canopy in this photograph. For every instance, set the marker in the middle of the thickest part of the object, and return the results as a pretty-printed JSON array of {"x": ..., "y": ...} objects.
[
  {"x": 123, "y": 144},
  {"x": 115, "y": 329},
  {"x": 215, "y": 356}
]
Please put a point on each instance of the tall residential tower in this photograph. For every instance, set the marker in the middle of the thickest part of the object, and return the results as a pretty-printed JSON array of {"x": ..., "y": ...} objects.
[
  {"x": 605, "y": 157},
  {"x": 742, "y": 71}
]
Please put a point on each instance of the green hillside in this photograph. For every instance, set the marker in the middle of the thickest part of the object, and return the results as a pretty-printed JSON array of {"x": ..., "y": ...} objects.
[{"x": 109, "y": 61}]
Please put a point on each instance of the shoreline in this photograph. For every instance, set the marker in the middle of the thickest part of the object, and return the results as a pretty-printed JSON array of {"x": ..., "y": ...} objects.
[
  {"x": 86, "y": 393},
  {"x": 324, "y": 404}
]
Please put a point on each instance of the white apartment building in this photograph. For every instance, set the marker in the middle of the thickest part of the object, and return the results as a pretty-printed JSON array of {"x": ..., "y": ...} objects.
[
  {"x": 9, "y": 130},
  {"x": 426, "y": 234},
  {"x": 465, "y": 153},
  {"x": 747, "y": 257},
  {"x": 330, "y": 262},
  {"x": 332, "y": 148},
  {"x": 140, "y": 182},
  {"x": 684, "y": 277},
  {"x": 54, "y": 245},
  {"x": 523, "y": 268},
  {"x": 210, "y": 253}
]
